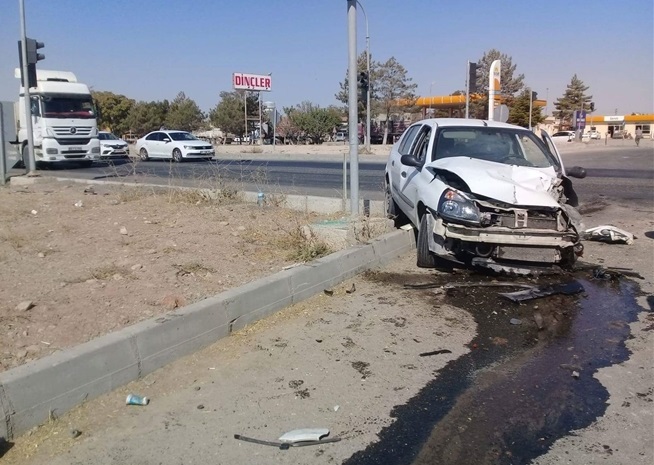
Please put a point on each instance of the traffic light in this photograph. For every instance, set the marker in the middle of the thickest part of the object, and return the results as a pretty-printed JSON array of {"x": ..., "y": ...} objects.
[
  {"x": 534, "y": 95},
  {"x": 592, "y": 106},
  {"x": 364, "y": 84},
  {"x": 472, "y": 78},
  {"x": 32, "y": 57}
]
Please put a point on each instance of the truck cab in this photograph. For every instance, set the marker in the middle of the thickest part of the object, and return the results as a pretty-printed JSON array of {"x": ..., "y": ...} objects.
[{"x": 64, "y": 120}]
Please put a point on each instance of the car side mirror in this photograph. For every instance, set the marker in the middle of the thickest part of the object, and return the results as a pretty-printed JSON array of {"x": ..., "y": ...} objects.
[
  {"x": 576, "y": 172},
  {"x": 166, "y": 140},
  {"x": 410, "y": 160}
]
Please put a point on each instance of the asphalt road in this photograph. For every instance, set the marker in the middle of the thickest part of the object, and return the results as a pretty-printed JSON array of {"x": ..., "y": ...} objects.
[{"x": 624, "y": 173}]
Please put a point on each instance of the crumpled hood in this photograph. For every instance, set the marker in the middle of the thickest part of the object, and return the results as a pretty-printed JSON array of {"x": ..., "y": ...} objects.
[{"x": 515, "y": 185}]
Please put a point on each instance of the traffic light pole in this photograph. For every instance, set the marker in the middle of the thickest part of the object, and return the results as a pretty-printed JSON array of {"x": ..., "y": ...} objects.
[
  {"x": 352, "y": 106},
  {"x": 30, "y": 164},
  {"x": 467, "y": 90}
]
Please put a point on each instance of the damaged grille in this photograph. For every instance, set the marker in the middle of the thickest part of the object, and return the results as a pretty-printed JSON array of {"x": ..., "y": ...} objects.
[{"x": 525, "y": 219}]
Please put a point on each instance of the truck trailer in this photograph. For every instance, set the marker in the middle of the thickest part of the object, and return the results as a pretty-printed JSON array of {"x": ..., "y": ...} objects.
[{"x": 64, "y": 120}]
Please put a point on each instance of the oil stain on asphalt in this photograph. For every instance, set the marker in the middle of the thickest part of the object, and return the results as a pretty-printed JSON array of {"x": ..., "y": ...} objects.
[{"x": 526, "y": 382}]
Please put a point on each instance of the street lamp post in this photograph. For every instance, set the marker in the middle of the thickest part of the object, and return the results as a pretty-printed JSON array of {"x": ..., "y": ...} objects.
[
  {"x": 531, "y": 103},
  {"x": 368, "y": 71},
  {"x": 430, "y": 99}
]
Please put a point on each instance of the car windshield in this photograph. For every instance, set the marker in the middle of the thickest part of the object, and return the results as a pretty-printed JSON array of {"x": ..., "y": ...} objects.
[
  {"x": 501, "y": 145},
  {"x": 107, "y": 136},
  {"x": 182, "y": 136},
  {"x": 68, "y": 106}
]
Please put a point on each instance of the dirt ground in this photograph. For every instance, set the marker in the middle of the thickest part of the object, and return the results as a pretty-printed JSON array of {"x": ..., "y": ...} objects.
[{"x": 79, "y": 261}]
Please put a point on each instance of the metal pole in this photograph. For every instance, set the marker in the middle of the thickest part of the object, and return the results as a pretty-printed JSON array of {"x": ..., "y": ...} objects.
[
  {"x": 245, "y": 103},
  {"x": 31, "y": 163},
  {"x": 260, "y": 127},
  {"x": 368, "y": 70},
  {"x": 468, "y": 90},
  {"x": 352, "y": 106},
  {"x": 3, "y": 154},
  {"x": 531, "y": 103},
  {"x": 274, "y": 125}
]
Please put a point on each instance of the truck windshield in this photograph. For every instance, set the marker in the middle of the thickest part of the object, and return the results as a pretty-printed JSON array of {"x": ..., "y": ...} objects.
[{"x": 68, "y": 106}]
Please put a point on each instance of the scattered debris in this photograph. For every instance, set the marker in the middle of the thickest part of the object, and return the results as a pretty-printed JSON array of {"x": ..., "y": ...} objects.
[
  {"x": 515, "y": 321},
  {"x": 295, "y": 438},
  {"x": 133, "y": 399},
  {"x": 24, "y": 306},
  {"x": 319, "y": 340},
  {"x": 609, "y": 234},
  {"x": 34, "y": 212},
  {"x": 90, "y": 190},
  {"x": 611, "y": 273},
  {"x": 575, "y": 374},
  {"x": 200, "y": 407},
  {"x": 536, "y": 292},
  {"x": 79, "y": 204},
  {"x": 435, "y": 352},
  {"x": 351, "y": 290},
  {"x": 538, "y": 318},
  {"x": 336, "y": 407},
  {"x": 328, "y": 292},
  {"x": 75, "y": 433},
  {"x": 465, "y": 285},
  {"x": 123, "y": 230},
  {"x": 196, "y": 388}
]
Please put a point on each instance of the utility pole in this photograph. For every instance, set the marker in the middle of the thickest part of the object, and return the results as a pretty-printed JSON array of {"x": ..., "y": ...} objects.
[
  {"x": 531, "y": 103},
  {"x": 352, "y": 106},
  {"x": 30, "y": 163}
]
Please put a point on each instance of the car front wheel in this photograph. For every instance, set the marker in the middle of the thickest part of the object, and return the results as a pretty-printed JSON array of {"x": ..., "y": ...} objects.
[
  {"x": 426, "y": 259},
  {"x": 177, "y": 156}
]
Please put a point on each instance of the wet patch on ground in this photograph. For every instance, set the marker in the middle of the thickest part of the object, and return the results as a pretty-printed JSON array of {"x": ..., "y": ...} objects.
[{"x": 528, "y": 379}]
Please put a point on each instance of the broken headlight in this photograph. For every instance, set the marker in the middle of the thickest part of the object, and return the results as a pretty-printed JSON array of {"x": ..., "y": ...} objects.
[{"x": 453, "y": 206}]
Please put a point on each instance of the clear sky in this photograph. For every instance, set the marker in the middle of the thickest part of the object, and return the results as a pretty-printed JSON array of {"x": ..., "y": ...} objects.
[{"x": 151, "y": 50}]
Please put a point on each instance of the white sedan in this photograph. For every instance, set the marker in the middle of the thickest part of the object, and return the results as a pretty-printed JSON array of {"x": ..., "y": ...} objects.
[
  {"x": 483, "y": 194},
  {"x": 564, "y": 136},
  {"x": 112, "y": 145},
  {"x": 175, "y": 145}
]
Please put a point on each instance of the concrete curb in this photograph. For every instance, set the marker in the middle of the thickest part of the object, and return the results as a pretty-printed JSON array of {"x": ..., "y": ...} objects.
[{"x": 31, "y": 393}]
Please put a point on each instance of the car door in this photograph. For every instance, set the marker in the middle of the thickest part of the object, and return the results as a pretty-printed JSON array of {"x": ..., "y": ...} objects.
[
  {"x": 152, "y": 145},
  {"x": 397, "y": 171},
  {"x": 414, "y": 176},
  {"x": 416, "y": 146}
]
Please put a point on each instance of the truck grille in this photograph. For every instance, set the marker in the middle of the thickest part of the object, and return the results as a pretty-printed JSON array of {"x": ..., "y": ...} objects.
[
  {"x": 69, "y": 141},
  {"x": 76, "y": 130}
]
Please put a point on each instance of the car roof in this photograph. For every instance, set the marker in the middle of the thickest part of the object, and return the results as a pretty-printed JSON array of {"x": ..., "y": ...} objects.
[{"x": 445, "y": 122}]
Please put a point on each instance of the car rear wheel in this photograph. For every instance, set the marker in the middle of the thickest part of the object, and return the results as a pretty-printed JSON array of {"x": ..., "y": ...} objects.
[
  {"x": 393, "y": 210},
  {"x": 426, "y": 259},
  {"x": 143, "y": 154},
  {"x": 177, "y": 156}
]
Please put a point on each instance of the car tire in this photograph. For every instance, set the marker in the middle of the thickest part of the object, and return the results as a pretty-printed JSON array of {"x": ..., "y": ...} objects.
[
  {"x": 177, "y": 156},
  {"x": 393, "y": 211},
  {"x": 425, "y": 259},
  {"x": 143, "y": 154}
]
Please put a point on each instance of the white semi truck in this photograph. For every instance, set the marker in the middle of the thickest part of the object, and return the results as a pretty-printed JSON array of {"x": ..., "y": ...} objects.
[{"x": 64, "y": 120}]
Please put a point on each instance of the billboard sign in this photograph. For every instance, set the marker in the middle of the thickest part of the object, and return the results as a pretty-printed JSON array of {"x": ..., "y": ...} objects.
[
  {"x": 494, "y": 78},
  {"x": 580, "y": 119},
  {"x": 254, "y": 82}
]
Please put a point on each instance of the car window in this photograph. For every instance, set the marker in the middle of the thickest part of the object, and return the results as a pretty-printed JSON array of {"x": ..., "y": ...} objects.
[
  {"x": 182, "y": 136},
  {"x": 419, "y": 149},
  {"x": 153, "y": 136},
  {"x": 499, "y": 145},
  {"x": 407, "y": 139}
]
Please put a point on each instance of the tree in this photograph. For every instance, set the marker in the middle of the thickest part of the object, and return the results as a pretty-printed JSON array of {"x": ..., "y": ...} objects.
[
  {"x": 184, "y": 114},
  {"x": 314, "y": 122},
  {"x": 574, "y": 98},
  {"x": 229, "y": 112},
  {"x": 394, "y": 91},
  {"x": 510, "y": 86},
  {"x": 113, "y": 111},
  {"x": 145, "y": 117},
  {"x": 519, "y": 114}
]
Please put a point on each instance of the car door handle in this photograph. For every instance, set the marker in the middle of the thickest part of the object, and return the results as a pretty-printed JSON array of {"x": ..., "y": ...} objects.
[{"x": 403, "y": 173}]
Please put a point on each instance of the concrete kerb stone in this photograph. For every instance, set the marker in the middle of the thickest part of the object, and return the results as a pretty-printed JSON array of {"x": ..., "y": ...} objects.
[{"x": 30, "y": 393}]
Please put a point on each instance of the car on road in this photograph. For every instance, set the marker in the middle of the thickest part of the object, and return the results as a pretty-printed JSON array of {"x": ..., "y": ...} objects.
[
  {"x": 112, "y": 146},
  {"x": 341, "y": 136},
  {"x": 594, "y": 134},
  {"x": 564, "y": 136},
  {"x": 483, "y": 194},
  {"x": 174, "y": 145}
]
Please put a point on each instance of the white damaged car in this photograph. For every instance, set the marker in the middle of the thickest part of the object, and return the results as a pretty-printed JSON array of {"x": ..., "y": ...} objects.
[{"x": 484, "y": 194}]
